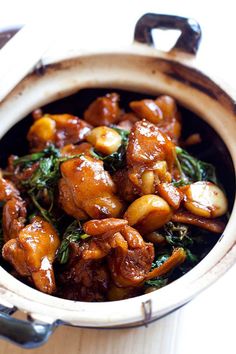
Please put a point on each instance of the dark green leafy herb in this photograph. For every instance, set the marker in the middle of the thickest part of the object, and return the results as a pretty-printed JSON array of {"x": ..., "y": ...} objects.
[
  {"x": 112, "y": 162},
  {"x": 160, "y": 260},
  {"x": 192, "y": 169},
  {"x": 196, "y": 244},
  {"x": 28, "y": 160},
  {"x": 46, "y": 214},
  {"x": 73, "y": 233},
  {"x": 157, "y": 283},
  {"x": 190, "y": 262},
  {"x": 44, "y": 179},
  {"x": 177, "y": 235},
  {"x": 46, "y": 175},
  {"x": 48, "y": 171}
]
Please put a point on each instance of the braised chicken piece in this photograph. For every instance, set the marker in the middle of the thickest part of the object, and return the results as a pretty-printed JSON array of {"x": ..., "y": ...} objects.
[
  {"x": 73, "y": 150},
  {"x": 83, "y": 280},
  {"x": 147, "y": 109},
  {"x": 14, "y": 210},
  {"x": 13, "y": 218},
  {"x": 213, "y": 225},
  {"x": 57, "y": 129},
  {"x": 171, "y": 122},
  {"x": 99, "y": 227},
  {"x": 86, "y": 278},
  {"x": 67, "y": 201},
  {"x": 127, "y": 121},
  {"x": 103, "y": 111},
  {"x": 128, "y": 192},
  {"x": 162, "y": 112},
  {"x": 131, "y": 259},
  {"x": 7, "y": 190},
  {"x": 129, "y": 268},
  {"x": 150, "y": 157},
  {"x": 90, "y": 187},
  {"x": 33, "y": 252}
]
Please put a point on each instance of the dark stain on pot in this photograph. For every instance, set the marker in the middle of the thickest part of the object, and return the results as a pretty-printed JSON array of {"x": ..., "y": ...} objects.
[
  {"x": 64, "y": 65},
  {"x": 199, "y": 87},
  {"x": 195, "y": 79}
]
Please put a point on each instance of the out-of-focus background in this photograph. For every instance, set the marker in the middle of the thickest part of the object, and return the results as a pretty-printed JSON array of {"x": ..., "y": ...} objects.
[{"x": 205, "y": 325}]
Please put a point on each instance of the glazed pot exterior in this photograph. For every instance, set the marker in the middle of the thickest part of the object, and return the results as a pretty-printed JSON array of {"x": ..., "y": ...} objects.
[{"x": 145, "y": 70}]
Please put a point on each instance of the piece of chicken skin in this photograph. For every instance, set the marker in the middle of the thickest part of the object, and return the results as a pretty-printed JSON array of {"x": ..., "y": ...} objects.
[
  {"x": 171, "y": 124},
  {"x": 57, "y": 129},
  {"x": 163, "y": 112},
  {"x": 13, "y": 218},
  {"x": 72, "y": 150},
  {"x": 103, "y": 111},
  {"x": 150, "y": 157},
  {"x": 90, "y": 187},
  {"x": 7, "y": 190},
  {"x": 14, "y": 210},
  {"x": 129, "y": 257},
  {"x": 32, "y": 253}
]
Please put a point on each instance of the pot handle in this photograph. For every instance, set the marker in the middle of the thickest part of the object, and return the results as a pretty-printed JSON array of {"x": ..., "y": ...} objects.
[
  {"x": 26, "y": 334},
  {"x": 189, "y": 39}
]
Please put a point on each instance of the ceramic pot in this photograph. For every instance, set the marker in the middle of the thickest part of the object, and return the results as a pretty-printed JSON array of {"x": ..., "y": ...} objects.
[{"x": 141, "y": 68}]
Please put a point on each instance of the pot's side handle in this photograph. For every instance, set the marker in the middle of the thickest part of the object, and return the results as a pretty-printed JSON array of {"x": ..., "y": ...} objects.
[
  {"x": 26, "y": 334},
  {"x": 189, "y": 39}
]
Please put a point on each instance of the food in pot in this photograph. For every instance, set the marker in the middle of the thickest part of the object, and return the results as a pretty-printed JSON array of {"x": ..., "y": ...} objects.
[{"x": 109, "y": 205}]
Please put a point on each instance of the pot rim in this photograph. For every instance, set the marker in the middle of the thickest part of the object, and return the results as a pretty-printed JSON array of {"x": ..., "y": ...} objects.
[{"x": 130, "y": 310}]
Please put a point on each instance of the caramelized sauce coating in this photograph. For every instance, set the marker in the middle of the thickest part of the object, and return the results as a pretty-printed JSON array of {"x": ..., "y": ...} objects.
[
  {"x": 57, "y": 129},
  {"x": 129, "y": 256},
  {"x": 127, "y": 121},
  {"x": 171, "y": 122},
  {"x": 103, "y": 111},
  {"x": 33, "y": 252},
  {"x": 13, "y": 218},
  {"x": 171, "y": 194},
  {"x": 14, "y": 210},
  {"x": 7, "y": 190},
  {"x": 84, "y": 280},
  {"x": 213, "y": 225},
  {"x": 147, "y": 109},
  {"x": 163, "y": 112},
  {"x": 73, "y": 150},
  {"x": 91, "y": 188},
  {"x": 149, "y": 150},
  {"x": 132, "y": 257}
]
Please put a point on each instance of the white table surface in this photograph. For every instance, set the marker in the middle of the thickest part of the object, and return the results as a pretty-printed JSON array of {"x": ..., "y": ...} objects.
[{"x": 207, "y": 324}]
